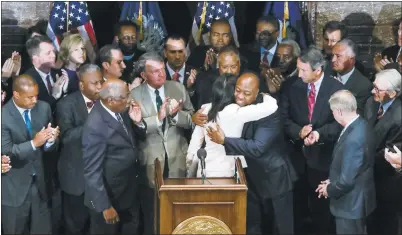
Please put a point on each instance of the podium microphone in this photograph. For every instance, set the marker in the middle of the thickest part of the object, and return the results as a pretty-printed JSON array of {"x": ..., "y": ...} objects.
[{"x": 202, "y": 154}]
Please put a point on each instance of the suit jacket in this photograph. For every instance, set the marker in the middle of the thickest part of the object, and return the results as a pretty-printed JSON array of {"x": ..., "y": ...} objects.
[
  {"x": 172, "y": 140},
  {"x": 264, "y": 148},
  {"x": 391, "y": 52},
  {"x": 126, "y": 76},
  {"x": 71, "y": 114},
  {"x": 252, "y": 53},
  {"x": 294, "y": 110},
  {"x": 110, "y": 158},
  {"x": 352, "y": 191},
  {"x": 361, "y": 87},
  {"x": 16, "y": 143},
  {"x": 43, "y": 93},
  {"x": 203, "y": 87}
]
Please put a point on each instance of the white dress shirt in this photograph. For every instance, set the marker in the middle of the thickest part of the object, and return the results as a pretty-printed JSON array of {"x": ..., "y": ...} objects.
[
  {"x": 181, "y": 72},
  {"x": 345, "y": 77},
  {"x": 43, "y": 76}
]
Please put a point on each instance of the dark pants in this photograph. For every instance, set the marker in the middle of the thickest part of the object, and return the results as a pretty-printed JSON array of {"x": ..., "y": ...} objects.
[
  {"x": 76, "y": 214},
  {"x": 305, "y": 198},
  {"x": 56, "y": 212},
  {"x": 33, "y": 216},
  {"x": 128, "y": 223},
  {"x": 350, "y": 226},
  {"x": 264, "y": 215},
  {"x": 147, "y": 207}
]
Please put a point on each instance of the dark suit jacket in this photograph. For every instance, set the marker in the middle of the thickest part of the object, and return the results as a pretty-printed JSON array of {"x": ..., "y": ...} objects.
[
  {"x": 203, "y": 87},
  {"x": 391, "y": 52},
  {"x": 351, "y": 191},
  {"x": 294, "y": 110},
  {"x": 43, "y": 93},
  {"x": 71, "y": 114},
  {"x": 361, "y": 87},
  {"x": 252, "y": 53},
  {"x": 264, "y": 148},
  {"x": 129, "y": 67},
  {"x": 111, "y": 160},
  {"x": 16, "y": 143}
]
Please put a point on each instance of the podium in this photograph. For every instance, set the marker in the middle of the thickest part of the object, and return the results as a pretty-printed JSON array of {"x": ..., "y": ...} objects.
[{"x": 186, "y": 206}]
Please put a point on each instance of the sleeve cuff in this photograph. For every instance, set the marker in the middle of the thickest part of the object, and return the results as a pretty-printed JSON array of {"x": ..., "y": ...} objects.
[{"x": 33, "y": 146}]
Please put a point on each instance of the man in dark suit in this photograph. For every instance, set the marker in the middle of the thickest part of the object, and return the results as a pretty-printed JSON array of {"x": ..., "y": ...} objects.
[
  {"x": 125, "y": 34},
  {"x": 384, "y": 114},
  {"x": 350, "y": 186},
  {"x": 312, "y": 131},
  {"x": 270, "y": 175},
  {"x": 111, "y": 157},
  {"x": 389, "y": 54},
  {"x": 51, "y": 86},
  {"x": 26, "y": 134},
  {"x": 71, "y": 114},
  {"x": 263, "y": 50},
  {"x": 343, "y": 63}
]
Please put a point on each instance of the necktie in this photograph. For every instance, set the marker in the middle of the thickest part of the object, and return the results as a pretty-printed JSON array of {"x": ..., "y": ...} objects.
[
  {"x": 49, "y": 84},
  {"x": 380, "y": 112},
  {"x": 29, "y": 128},
  {"x": 311, "y": 101},
  {"x": 90, "y": 104},
  {"x": 158, "y": 100},
  {"x": 176, "y": 77},
  {"x": 265, "y": 57},
  {"x": 121, "y": 122}
]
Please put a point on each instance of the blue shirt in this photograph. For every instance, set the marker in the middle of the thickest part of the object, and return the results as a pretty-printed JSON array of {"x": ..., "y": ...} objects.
[
  {"x": 386, "y": 106},
  {"x": 271, "y": 52}
]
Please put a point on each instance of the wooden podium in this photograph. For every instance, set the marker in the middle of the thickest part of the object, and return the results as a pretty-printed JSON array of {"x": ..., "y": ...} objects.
[{"x": 186, "y": 206}]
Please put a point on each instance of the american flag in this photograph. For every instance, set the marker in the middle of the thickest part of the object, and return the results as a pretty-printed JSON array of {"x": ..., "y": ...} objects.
[
  {"x": 72, "y": 17},
  {"x": 206, "y": 13}
]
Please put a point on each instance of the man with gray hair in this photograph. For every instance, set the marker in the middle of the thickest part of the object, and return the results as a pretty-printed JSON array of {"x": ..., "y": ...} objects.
[
  {"x": 312, "y": 131},
  {"x": 167, "y": 110},
  {"x": 343, "y": 64},
  {"x": 71, "y": 114},
  {"x": 110, "y": 160},
  {"x": 383, "y": 111},
  {"x": 350, "y": 186}
]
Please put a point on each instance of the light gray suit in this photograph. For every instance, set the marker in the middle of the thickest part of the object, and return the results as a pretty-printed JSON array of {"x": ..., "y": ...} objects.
[{"x": 172, "y": 140}]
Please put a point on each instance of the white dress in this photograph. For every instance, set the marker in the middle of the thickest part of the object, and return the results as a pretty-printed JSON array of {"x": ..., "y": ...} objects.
[{"x": 231, "y": 120}]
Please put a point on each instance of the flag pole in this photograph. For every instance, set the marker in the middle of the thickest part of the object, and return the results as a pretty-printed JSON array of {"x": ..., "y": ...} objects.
[
  {"x": 139, "y": 20},
  {"x": 204, "y": 11},
  {"x": 285, "y": 18},
  {"x": 68, "y": 16}
]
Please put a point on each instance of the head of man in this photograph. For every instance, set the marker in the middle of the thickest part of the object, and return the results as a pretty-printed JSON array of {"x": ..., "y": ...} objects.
[
  {"x": 41, "y": 52},
  {"x": 175, "y": 51},
  {"x": 343, "y": 105},
  {"x": 387, "y": 85},
  {"x": 25, "y": 92},
  {"x": 310, "y": 65},
  {"x": 91, "y": 80},
  {"x": 267, "y": 31},
  {"x": 151, "y": 67},
  {"x": 111, "y": 59},
  {"x": 229, "y": 60},
  {"x": 220, "y": 34},
  {"x": 126, "y": 35},
  {"x": 333, "y": 32},
  {"x": 344, "y": 56},
  {"x": 72, "y": 50},
  {"x": 247, "y": 88},
  {"x": 115, "y": 95},
  {"x": 288, "y": 52}
]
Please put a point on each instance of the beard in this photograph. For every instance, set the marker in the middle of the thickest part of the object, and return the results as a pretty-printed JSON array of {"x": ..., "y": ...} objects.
[{"x": 127, "y": 50}]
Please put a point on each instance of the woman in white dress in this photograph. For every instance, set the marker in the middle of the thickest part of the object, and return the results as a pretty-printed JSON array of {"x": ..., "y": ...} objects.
[{"x": 231, "y": 118}]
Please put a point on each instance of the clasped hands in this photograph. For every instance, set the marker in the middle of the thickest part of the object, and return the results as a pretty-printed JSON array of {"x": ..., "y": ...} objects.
[
  {"x": 309, "y": 136},
  {"x": 173, "y": 106},
  {"x": 48, "y": 134},
  {"x": 322, "y": 189}
]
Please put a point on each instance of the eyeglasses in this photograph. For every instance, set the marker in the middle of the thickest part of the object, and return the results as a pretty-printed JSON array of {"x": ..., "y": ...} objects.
[
  {"x": 129, "y": 38},
  {"x": 378, "y": 90}
]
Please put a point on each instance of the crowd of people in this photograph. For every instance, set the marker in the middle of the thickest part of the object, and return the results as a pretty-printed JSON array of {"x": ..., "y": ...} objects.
[{"x": 319, "y": 141}]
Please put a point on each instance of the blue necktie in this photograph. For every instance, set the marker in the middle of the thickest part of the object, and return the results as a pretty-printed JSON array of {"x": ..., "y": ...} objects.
[{"x": 29, "y": 128}]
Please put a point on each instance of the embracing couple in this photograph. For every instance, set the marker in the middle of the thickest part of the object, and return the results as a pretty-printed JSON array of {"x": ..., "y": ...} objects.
[{"x": 247, "y": 124}]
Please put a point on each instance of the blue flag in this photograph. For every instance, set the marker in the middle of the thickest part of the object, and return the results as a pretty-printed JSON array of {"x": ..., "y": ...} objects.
[
  {"x": 294, "y": 21},
  {"x": 149, "y": 20}
]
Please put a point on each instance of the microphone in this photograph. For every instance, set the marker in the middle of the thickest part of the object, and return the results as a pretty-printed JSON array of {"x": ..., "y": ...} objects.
[{"x": 202, "y": 154}]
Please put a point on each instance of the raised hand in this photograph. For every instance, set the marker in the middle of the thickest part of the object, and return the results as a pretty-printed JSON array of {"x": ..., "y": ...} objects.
[
  {"x": 15, "y": 56},
  {"x": 41, "y": 137},
  {"x": 174, "y": 106},
  {"x": 136, "y": 82},
  {"x": 5, "y": 164},
  {"x": 7, "y": 69},
  {"x": 162, "y": 110},
  {"x": 65, "y": 75},
  {"x": 59, "y": 85},
  {"x": 135, "y": 112},
  {"x": 199, "y": 118},
  {"x": 191, "y": 78}
]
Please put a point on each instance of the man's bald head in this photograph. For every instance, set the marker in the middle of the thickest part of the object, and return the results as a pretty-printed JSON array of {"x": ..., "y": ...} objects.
[
  {"x": 247, "y": 88},
  {"x": 115, "y": 94},
  {"x": 25, "y": 91}
]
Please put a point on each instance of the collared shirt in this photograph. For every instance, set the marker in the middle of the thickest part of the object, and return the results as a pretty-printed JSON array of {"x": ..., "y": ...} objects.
[
  {"x": 386, "y": 106},
  {"x": 347, "y": 125},
  {"x": 317, "y": 85},
  {"x": 345, "y": 77},
  {"x": 43, "y": 76},
  {"x": 271, "y": 51},
  {"x": 181, "y": 72},
  {"x": 113, "y": 114},
  {"x": 86, "y": 101},
  {"x": 153, "y": 98},
  {"x": 21, "y": 111}
]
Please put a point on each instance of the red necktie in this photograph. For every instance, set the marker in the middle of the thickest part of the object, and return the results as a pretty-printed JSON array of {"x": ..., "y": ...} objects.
[
  {"x": 311, "y": 101},
  {"x": 265, "y": 57},
  {"x": 176, "y": 76}
]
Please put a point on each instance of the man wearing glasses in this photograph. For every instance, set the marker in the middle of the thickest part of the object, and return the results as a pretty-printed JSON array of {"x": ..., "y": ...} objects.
[{"x": 384, "y": 113}]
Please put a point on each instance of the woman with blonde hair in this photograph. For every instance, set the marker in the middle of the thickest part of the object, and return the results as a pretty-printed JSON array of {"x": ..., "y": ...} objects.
[{"x": 73, "y": 55}]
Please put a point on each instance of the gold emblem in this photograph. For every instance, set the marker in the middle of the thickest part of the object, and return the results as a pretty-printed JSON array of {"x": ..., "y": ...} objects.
[{"x": 202, "y": 225}]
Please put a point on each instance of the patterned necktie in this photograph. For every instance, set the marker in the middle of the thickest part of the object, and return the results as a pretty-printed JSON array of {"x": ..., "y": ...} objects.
[
  {"x": 176, "y": 76},
  {"x": 380, "y": 112},
  {"x": 265, "y": 57},
  {"x": 49, "y": 85},
  {"x": 158, "y": 100},
  {"x": 311, "y": 101},
  {"x": 118, "y": 117},
  {"x": 29, "y": 128},
  {"x": 90, "y": 104}
]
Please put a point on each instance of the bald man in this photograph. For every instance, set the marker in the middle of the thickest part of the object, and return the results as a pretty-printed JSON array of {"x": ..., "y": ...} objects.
[
  {"x": 26, "y": 134},
  {"x": 111, "y": 160},
  {"x": 270, "y": 175}
]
